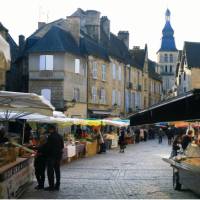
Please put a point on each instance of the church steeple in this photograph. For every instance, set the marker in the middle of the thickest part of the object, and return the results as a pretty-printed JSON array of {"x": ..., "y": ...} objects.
[{"x": 168, "y": 42}]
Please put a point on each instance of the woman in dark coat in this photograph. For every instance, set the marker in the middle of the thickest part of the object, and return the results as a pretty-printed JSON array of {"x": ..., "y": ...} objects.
[{"x": 122, "y": 142}]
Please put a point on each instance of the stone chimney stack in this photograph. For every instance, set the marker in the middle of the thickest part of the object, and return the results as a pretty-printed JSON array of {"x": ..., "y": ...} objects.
[
  {"x": 105, "y": 24},
  {"x": 124, "y": 36},
  {"x": 73, "y": 25},
  {"x": 41, "y": 24},
  {"x": 92, "y": 24},
  {"x": 21, "y": 42}
]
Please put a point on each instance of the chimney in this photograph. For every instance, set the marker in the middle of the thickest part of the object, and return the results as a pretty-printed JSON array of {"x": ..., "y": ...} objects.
[
  {"x": 136, "y": 47},
  {"x": 41, "y": 24},
  {"x": 21, "y": 42},
  {"x": 73, "y": 26},
  {"x": 105, "y": 24},
  {"x": 92, "y": 24},
  {"x": 124, "y": 36}
]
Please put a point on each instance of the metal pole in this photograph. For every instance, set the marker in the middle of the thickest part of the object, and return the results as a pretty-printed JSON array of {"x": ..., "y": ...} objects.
[{"x": 23, "y": 132}]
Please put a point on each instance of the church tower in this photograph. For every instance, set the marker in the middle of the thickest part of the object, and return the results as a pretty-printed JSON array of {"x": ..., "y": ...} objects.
[{"x": 167, "y": 57}]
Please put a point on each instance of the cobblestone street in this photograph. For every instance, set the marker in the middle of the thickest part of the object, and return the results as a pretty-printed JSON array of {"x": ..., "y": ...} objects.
[{"x": 139, "y": 173}]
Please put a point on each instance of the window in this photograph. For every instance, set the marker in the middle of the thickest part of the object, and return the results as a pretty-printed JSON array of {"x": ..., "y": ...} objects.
[
  {"x": 119, "y": 98},
  {"x": 46, "y": 93},
  {"x": 171, "y": 58},
  {"x": 76, "y": 94},
  {"x": 165, "y": 68},
  {"x": 171, "y": 68},
  {"x": 114, "y": 97},
  {"x": 166, "y": 58},
  {"x": 104, "y": 72},
  {"x": 120, "y": 73},
  {"x": 46, "y": 62},
  {"x": 184, "y": 89},
  {"x": 102, "y": 95},
  {"x": 114, "y": 71},
  {"x": 94, "y": 94},
  {"x": 77, "y": 66},
  {"x": 94, "y": 70}
]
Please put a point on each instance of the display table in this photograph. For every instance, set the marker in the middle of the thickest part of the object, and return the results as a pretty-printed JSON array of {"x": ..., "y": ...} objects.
[
  {"x": 90, "y": 148},
  {"x": 15, "y": 177},
  {"x": 69, "y": 151},
  {"x": 115, "y": 142},
  {"x": 80, "y": 150}
]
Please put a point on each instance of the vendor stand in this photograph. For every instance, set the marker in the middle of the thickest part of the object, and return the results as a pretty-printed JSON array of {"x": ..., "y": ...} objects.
[
  {"x": 186, "y": 169},
  {"x": 16, "y": 161}
]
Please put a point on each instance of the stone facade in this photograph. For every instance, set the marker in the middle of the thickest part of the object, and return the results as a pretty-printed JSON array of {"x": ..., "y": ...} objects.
[{"x": 61, "y": 80}]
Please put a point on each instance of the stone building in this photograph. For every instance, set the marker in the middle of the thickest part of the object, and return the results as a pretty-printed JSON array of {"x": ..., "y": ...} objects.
[
  {"x": 167, "y": 58},
  {"x": 154, "y": 83},
  {"x": 84, "y": 69},
  {"x": 188, "y": 68},
  {"x": 57, "y": 68}
]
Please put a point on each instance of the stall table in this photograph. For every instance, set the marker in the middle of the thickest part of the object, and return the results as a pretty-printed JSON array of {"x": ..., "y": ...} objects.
[
  {"x": 15, "y": 177},
  {"x": 80, "y": 150},
  {"x": 69, "y": 152}
]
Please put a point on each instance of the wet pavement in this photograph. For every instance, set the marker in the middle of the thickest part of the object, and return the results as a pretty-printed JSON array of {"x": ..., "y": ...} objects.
[{"x": 137, "y": 173}]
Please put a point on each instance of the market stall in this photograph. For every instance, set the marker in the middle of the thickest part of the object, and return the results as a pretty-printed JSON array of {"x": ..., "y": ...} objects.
[
  {"x": 16, "y": 161},
  {"x": 186, "y": 168}
]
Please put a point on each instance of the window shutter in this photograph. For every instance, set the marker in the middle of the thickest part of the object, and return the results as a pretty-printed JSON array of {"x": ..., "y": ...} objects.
[
  {"x": 77, "y": 66},
  {"x": 42, "y": 62},
  {"x": 49, "y": 62}
]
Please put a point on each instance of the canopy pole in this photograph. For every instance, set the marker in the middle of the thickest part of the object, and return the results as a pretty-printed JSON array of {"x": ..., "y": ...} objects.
[{"x": 24, "y": 123}]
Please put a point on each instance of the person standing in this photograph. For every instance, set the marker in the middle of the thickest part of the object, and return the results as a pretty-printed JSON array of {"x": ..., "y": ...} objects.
[
  {"x": 169, "y": 135},
  {"x": 54, "y": 147},
  {"x": 160, "y": 135},
  {"x": 40, "y": 166},
  {"x": 187, "y": 139},
  {"x": 122, "y": 142}
]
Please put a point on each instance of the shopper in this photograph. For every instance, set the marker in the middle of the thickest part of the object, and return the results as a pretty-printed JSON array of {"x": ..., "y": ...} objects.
[
  {"x": 53, "y": 147},
  {"x": 160, "y": 135},
  {"x": 122, "y": 142},
  {"x": 40, "y": 165},
  {"x": 169, "y": 134},
  {"x": 176, "y": 146},
  {"x": 137, "y": 135},
  {"x": 101, "y": 143},
  {"x": 187, "y": 139}
]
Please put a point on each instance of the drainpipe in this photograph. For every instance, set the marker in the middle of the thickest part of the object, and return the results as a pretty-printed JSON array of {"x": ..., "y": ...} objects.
[
  {"x": 87, "y": 86},
  {"x": 124, "y": 90}
]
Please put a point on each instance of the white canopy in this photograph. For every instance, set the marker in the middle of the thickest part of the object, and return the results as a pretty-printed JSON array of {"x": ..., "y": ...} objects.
[
  {"x": 4, "y": 53},
  {"x": 24, "y": 104}
]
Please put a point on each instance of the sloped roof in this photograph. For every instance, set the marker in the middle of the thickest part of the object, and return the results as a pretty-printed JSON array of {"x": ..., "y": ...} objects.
[
  {"x": 91, "y": 47},
  {"x": 192, "y": 50},
  {"x": 152, "y": 72},
  {"x": 56, "y": 40},
  {"x": 139, "y": 57}
]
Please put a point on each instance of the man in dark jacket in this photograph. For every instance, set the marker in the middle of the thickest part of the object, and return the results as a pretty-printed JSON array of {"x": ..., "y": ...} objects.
[
  {"x": 54, "y": 147},
  {"x": 187, "y": 139}
]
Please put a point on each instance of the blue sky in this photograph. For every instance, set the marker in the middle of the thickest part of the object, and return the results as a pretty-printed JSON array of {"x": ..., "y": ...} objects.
[{"x": 144, "y": 19}]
